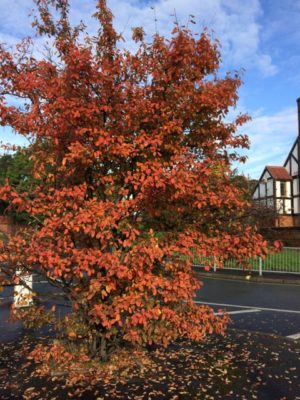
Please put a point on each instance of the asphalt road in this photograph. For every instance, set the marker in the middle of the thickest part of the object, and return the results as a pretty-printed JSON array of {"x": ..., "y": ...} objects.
[
  {"x": 260, "y": 307},
  {"x": 13, "y": 331}
]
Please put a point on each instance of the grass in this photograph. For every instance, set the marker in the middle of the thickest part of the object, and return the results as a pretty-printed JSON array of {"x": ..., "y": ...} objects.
[{"x": 286, "y": 261}]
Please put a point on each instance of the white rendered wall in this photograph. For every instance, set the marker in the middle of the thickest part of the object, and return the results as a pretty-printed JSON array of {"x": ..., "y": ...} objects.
[
  {"x": 279, "y": 206},
  {"x": 270, "y": 187},
  {"x": 296, "y": 186},
  {"x": 266, "y": 175},
  {"x": 278, "y": 189},
  {"x": 295, "y": 151},
  {"x": 288, "y": 206},
  {"x": 296, "y": 205},
  {"x": 294, "y": 167},
  {"x": 288, "y": 189},
  {"x": 262, "y": 189},
  {"x": 270, "y": 203}
]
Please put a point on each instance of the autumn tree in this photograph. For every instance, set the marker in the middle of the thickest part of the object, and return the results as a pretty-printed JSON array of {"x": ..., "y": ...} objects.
[
  {"x": 244, "y": 183},
  {"x": 132, "y": 154},
  {"x": 17, "y": 168},
  {"x": 257, "y": 214}
]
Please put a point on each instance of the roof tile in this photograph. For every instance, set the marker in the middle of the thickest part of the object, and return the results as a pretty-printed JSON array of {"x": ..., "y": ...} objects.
[{"x": 279, "y": 173}]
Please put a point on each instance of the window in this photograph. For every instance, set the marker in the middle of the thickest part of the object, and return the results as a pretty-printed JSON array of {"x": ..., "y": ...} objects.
[{"x": 282, "y": 189}]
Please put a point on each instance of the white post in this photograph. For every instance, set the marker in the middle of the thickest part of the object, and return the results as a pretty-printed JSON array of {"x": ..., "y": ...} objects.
[
  {"x": 260, "y": 266},
  {"x": 215, "y": 265},
  {"x": 22, "y": 293}
]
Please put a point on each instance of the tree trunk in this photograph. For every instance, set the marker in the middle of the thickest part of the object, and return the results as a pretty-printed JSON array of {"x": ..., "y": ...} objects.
[
  {"x": 103, "y": 348},
  {"x": 94, "y": 346}
]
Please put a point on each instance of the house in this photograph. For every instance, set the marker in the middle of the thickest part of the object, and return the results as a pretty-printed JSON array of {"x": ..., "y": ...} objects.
[{"x": 278, "y": 186}]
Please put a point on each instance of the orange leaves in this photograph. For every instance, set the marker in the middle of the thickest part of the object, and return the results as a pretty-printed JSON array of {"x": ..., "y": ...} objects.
[
  {"x": 131, "y": 153},
  {"x": 15, "y": 200},
  {"x": 72, "y": 335},
  {"x": 138, "y": 34},
  {"x": 278, "y": 245}
]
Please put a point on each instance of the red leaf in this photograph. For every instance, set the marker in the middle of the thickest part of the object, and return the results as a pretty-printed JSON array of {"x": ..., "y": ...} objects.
[{"x": 278, "y": 244}]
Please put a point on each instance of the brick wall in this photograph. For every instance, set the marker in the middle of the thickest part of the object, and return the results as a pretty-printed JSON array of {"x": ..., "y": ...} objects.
[
  {"x": 290, "y": 236},
  {"x": 7, "y": 226},
  {"x": 285, "y": 221}
]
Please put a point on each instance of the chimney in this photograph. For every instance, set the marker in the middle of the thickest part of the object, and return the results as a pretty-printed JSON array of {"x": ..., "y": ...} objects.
[{"x": 298, "y": 104}]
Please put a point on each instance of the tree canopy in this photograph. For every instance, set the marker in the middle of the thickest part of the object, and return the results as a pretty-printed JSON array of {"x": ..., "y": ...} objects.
[
  {"x": 132, "y": 155},
  {"x": 17, "y": 169}
]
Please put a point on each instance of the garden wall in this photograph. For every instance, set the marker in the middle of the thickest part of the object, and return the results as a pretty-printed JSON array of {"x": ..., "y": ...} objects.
[
  {"x": 290, "y": 236},
  {"x": 7, "y": 226}
]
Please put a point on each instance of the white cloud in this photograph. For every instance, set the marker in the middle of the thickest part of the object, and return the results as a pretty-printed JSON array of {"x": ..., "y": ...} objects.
[
  {"x": 265, "y": 65},
  {"x": 271, "y": 139},
  {"x": 234, "y": 22},
  {"x": 14, "y": 17}
]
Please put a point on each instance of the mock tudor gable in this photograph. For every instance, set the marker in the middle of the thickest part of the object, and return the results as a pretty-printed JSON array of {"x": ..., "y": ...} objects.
[{"x": 278, "y": 186}]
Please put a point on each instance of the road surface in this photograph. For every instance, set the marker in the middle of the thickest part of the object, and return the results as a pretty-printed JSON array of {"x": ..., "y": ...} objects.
[
  {"x": 260, "y": 307},
  {"x": 263, "y": 307}
]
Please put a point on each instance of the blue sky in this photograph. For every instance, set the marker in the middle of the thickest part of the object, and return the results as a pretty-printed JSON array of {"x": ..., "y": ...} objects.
[{"x": 260, "y": 36}]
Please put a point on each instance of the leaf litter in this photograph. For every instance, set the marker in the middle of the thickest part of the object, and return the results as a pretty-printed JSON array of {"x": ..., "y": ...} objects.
[{"x": 241, "y": 365}]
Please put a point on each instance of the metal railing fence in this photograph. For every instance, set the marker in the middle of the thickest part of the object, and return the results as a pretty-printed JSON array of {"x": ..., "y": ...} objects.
[{"x": 287, "y": 261}]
